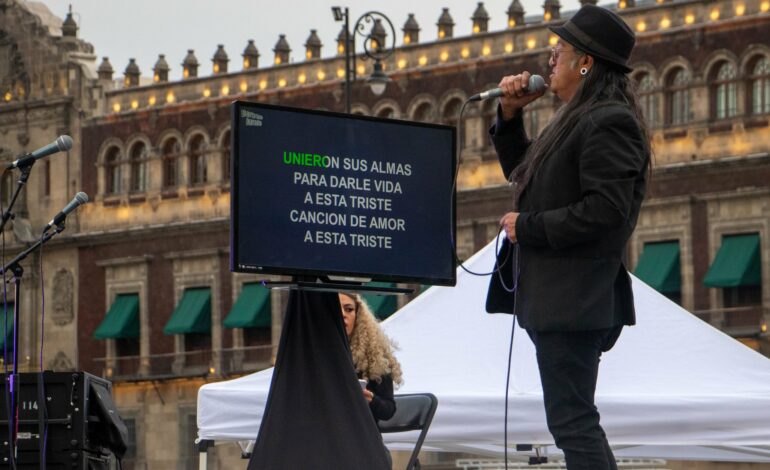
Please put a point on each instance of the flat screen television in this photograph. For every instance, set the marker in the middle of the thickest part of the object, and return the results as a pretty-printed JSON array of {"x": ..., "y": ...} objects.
[{"x": 317, "y": 193}]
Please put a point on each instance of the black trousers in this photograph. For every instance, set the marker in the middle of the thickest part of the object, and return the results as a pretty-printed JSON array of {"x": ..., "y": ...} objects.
[{"x": 569, "y": 367}]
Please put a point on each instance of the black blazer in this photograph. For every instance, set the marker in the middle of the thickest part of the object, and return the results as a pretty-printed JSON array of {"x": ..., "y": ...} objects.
[{"x": 576, "y": 216}]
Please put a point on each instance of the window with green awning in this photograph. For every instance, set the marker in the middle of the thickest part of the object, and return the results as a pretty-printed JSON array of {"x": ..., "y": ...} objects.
[
  {"x": 122, "y": 320},
  {"x": 192, "y": 314},
  {"x": 6, "y": 335},
  {"x": 382, "y": 306},
  {"x": 737, "y": 263},
  {"x": 659, "y": 266},
  {"x": 252, "y": 309}
]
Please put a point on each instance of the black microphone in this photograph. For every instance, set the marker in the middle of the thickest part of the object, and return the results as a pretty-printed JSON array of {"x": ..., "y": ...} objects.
[
  {"x": 62, "y": 143},
  {"x": 79, "y": 199},
  {"x": 536, "y": 85}
]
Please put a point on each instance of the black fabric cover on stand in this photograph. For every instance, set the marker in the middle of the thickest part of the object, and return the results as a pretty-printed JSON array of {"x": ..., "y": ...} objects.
[{"x": 316, "y": 416}]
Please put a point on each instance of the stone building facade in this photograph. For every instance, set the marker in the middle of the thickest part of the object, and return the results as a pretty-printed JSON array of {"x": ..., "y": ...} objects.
[{"x": 153, "y": 155}]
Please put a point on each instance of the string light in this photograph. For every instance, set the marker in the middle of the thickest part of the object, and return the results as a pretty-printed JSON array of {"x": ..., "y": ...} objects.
[{"x": 531, "y": 43}]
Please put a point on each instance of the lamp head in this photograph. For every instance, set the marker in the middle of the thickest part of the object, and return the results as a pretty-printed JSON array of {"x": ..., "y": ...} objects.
[{"x": 378, "y": 80}]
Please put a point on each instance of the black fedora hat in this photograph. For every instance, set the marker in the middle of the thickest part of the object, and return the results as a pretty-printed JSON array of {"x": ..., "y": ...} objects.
[{"x": 600, "y": 33}]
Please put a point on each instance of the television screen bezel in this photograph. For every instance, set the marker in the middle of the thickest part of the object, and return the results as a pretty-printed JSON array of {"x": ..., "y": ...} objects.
[{"x": 286, "y": 271}]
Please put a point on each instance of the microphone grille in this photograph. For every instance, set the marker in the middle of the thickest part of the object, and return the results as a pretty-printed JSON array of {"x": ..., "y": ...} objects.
[
  {"x": 81, "y": 197},
  {"x": 64, "y": 142},
  {"x": 536, "y": 84}
]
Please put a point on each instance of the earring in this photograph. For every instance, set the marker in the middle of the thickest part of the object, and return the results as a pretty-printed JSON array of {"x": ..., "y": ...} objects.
[{"x": 583, "y": 71}]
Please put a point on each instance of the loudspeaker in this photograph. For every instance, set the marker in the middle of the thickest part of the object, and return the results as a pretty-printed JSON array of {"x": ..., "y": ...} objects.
[{"x": 78, "y": 425}]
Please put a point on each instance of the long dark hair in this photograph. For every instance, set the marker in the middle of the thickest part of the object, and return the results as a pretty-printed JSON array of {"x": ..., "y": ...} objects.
[{"x": 603, "y": 84}]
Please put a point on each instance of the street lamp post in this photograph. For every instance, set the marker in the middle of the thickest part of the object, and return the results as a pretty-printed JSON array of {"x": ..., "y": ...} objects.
[{"x": 375, "y": 47}]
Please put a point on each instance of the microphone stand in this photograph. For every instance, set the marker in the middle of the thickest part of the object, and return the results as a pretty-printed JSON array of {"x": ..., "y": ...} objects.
[
  {"x": 6, "y": 216},
  {"x": 18, "y": 272}
]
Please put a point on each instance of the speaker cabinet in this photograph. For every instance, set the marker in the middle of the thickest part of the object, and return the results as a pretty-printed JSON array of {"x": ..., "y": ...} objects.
[{"x": 79, "y": 426}]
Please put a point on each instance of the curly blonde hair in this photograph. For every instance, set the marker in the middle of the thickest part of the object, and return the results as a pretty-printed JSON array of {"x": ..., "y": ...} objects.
[{"x": 371, "y": 349}]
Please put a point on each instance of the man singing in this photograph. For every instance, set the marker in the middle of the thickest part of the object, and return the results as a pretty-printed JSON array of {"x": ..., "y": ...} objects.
[{"x": 578, "y": 189}]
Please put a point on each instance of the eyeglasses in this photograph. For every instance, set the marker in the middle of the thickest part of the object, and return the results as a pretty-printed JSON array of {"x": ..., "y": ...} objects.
[{"x": 555, "y": 53}]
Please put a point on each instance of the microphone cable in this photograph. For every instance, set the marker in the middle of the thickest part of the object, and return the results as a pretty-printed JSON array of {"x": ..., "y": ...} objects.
[
  {"x": 498, "y": 269},
  {"x": 513, "y": 290},
  {"x": 461, "y": 145},
  {"x": 42, "y": 410}
]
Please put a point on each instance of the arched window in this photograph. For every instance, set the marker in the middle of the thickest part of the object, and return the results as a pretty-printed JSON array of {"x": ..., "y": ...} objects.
[
  {"x": 423, "y": 113},
  {"x": 724, "y": 91},
  {"x": 759, "y": 79},
  {"x": 678, "y": 97},
  {"x": 386, "y": 112},
  {"x": 138, "y": 158},
  {"x": 113, "y": 171},
  {"x": 197, "y": 160},
  {"x": 171, "y": 149},
  {"x": 451, "y": 112},
  {"x": 226, "y": 157},
  {"x": 646, "y": 90}
]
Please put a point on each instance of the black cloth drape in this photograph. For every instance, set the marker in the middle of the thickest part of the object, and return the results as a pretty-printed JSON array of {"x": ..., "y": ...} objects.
[{"x": 316, "y": 416}]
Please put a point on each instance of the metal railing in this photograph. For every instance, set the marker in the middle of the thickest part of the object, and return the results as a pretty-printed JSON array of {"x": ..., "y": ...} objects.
[
  {"x": 493, "y": 464},
  {"x": 221, "y": 362},
  {"x": 737, "y": 321},
  {"x": 247, "y": 359}
]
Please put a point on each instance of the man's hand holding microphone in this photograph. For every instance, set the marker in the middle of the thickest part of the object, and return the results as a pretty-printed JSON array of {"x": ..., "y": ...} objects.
[{"x": 518, "y": 91}]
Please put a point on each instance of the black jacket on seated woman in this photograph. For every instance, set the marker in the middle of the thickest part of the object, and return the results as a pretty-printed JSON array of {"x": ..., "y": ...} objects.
[{"x": 382, "y": 406}]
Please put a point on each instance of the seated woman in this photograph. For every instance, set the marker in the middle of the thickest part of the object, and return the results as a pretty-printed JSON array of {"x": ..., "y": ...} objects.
[{"x": 372, "y": 355}]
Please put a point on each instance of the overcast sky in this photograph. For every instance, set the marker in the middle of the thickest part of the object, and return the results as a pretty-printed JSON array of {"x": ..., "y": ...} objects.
[{"x": 142, "y": 29}]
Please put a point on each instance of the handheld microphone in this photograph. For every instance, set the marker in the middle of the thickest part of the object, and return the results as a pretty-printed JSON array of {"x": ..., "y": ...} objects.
[
  {"x": 62, "y": 143},
  {"x": 536, "y": 85},
  {"x": 79, "y": 199}
]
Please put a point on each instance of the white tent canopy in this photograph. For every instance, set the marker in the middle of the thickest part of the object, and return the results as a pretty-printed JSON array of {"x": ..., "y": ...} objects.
[{"x": 672, "y": 387}]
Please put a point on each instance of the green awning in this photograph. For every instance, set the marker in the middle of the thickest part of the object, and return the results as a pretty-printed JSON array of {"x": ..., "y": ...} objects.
[
  {"x": 8, "y": 338},
  {"x": 737, "y": 263},
  {"x": 660, "y": 268},
  {"x": 122, "y": 320},
  {"x": 383, "y": 306},
  {"x": 252, "y": 309},
  {"x": 192, "y": 314}
]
